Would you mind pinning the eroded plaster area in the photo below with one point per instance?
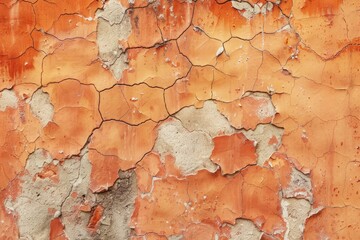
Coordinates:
(191, 149)
(113, 24)
(8, 99)
(179, 120)
(41, 107)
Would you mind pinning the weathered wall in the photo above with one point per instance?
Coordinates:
(180, 119)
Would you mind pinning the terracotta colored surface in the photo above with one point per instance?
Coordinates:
(95, 217)
(57, 230)
(179, 119)
(232, 153)
(116, 146)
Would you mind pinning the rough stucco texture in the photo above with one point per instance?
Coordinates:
(180, 119)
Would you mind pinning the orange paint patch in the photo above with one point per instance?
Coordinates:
(47, 13)
(208, 198)
(135, 104)
(206, 48)
(193, 89)
(71, 100)
(149, 167)
(19, 131)
(115, 146)
(164, 64)
(173, 17)
(49, 171)
(9, 228)
(95, 218)
(232, 153)
(57, 230)
(17, 22)
(143, 23)
(76, 59)
(72, 26)
(261, 201)
(337, 223)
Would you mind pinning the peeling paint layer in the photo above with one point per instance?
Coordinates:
(179, 120)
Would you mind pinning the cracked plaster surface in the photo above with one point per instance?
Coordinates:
(159, 119)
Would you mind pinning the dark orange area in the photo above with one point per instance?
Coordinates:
(23, 69)
(57, 230)
(47, 13)
(16, 24)
(314, 7)
(49, 171)
(95, 218)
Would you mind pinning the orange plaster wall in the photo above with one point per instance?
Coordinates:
(180, 119)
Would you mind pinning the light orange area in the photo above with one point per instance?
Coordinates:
(248, 111)
(164, 65)
(115, 146)
(338, 223)
(135, 104)
(71, 100)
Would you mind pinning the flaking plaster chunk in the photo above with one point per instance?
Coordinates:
(76, 222)
(248, 11)
(8, 98)
(108, 39)
(262, 136)
(244, 230)
(191, 149)
(176, 237)
(113, 12)
(265, 110)
(295, 213)
(113, 25)
(41, 107)
(41, 194)
(207, 119)
(299, 186)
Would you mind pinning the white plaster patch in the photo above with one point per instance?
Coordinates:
(295, 212)
(113, 25)
(38, 195)
(244, 230)
(207, 119)
(248, 11)
(41, 107)
(8, 98)
(299, 187)
(191, 149)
